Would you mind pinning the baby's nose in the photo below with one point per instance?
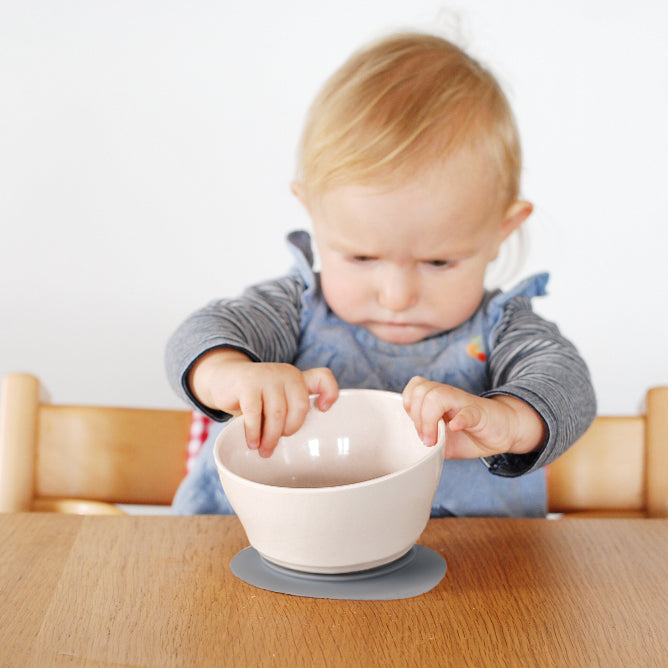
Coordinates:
(397, 291)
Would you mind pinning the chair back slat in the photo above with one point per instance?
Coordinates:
(118, 455)
(603, 471)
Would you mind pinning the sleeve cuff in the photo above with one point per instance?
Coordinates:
(510, 465)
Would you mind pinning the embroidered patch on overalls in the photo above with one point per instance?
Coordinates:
(475, 350)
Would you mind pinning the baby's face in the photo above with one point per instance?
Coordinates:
(408, 262)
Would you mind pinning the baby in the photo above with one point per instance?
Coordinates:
(410, 171)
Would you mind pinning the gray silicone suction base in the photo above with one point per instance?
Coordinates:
(418, 571)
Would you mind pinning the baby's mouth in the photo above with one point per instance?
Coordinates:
(398, 325)
(398, 332)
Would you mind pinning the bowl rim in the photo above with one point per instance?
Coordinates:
(430, 451)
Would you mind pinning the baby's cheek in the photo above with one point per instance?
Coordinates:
(345, 297)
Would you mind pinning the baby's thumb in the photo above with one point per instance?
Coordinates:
(321, 381)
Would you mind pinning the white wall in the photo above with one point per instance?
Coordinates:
(146, 150)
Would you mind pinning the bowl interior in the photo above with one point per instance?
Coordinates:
(366, 434)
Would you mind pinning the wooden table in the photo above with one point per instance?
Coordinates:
(157, 591)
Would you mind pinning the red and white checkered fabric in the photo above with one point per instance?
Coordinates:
(199, 432)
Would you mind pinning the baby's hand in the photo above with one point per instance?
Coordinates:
(475, 426)
(273, 398)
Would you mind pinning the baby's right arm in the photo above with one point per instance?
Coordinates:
(263, 323)
(272, 397)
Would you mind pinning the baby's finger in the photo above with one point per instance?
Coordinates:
(430, 403)
(321, 381)
(408, 395)
(297, 407)
(432, 409)
(274, 412)
(250, 404)
(416, 393)
(469, 418)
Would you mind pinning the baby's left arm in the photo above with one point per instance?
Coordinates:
(533, 371)
(476, 426)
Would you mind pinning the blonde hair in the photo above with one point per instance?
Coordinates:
(399, 106)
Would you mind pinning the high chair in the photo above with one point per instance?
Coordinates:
(618, 468)
(86, 459)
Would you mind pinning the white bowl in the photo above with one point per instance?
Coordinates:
(351, 490)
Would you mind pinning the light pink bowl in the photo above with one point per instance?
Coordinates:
(351, 490)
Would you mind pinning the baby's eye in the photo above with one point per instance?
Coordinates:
(439, 263)
(362, 258)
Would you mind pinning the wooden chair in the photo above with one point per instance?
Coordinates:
(619, 467)
(84, 459)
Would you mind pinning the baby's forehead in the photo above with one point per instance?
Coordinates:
(455, 195)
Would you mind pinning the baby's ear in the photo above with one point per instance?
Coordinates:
(299, 192)
(515, 215)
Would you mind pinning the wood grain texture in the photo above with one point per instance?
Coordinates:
(119, 455)
(157, 591)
